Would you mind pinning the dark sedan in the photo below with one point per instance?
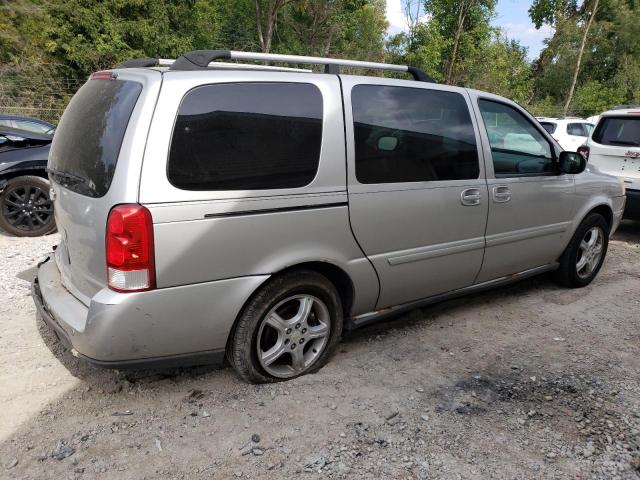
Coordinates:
(25, 207)
(33, 125)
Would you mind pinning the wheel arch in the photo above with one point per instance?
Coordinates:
(601, 205)
(11, 174)
(606, 211)
(335, 274)
(603, 209)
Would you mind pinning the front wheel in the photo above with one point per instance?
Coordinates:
(583, 257)
(287, 329)
(25, 207)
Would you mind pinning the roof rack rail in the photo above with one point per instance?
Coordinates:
(203, 59)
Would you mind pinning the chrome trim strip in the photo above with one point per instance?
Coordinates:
(439, 250)
(526, 234)
(296, 208)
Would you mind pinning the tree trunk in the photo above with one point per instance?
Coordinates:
(259, 24)
(265, 33)
(456, 42)
(580, 53)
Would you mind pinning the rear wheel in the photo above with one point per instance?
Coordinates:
(583, 258)
(288, 328)
(25, 207)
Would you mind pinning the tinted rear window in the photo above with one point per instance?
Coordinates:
(618, 131)
(412, 135)
(87, 142)
(247, 136)
(549, 126)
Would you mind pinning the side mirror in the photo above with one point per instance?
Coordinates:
(572, 163)
(387, 144)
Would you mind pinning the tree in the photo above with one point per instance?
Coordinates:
(505, 70)
(349, 28)
(466, 22)
(412, 12)
(266, 20)
(554, 11)
(88, 35)
(591, 15)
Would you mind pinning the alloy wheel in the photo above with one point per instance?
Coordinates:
(590, 252)
(293, 335)
(27, 207)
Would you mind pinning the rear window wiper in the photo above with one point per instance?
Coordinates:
(67, 176)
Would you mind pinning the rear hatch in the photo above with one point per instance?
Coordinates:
(615, 147)
(94, 164)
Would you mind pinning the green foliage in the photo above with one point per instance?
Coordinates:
(465, 24)
(504, 71)
(592, 98)
(610, 71)
(351, 28)
(48, 47)
(485, 58)
(545, 107)
(89, 35)
(551, 11)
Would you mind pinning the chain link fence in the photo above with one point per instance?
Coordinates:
(35, 92)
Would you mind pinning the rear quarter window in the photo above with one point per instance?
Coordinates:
(87, 141)
(618, 131)
(247, 136)
(549, 126)
(577, 129)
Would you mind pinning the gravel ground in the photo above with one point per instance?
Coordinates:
(529, 381)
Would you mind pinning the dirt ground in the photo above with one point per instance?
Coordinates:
(528, 381)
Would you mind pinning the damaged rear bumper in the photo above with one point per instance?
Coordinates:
(175, 326)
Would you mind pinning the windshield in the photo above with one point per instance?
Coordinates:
(87, 142)
(618, 131)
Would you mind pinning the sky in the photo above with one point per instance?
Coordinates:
(511, 16)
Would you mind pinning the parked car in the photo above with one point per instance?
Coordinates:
(28, 124)
(25, 207)
(256, 212)
(569, 132)
(614, 148)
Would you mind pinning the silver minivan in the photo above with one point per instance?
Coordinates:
(254, 212)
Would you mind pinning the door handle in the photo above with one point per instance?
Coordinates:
(501, 194)
(470, 197)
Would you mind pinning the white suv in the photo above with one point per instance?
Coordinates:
(614, 147)
(570, 133)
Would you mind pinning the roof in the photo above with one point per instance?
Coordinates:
(621, 112)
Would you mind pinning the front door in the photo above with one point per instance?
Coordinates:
(417, 189)
(531, 204)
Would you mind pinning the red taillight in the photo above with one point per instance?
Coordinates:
(584, 151)
(129, 249)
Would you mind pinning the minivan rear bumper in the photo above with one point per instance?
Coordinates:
(186, 325)
(632, 208)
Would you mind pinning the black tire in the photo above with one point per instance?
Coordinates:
(242, 347)
(28, 188)
(568, 274)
